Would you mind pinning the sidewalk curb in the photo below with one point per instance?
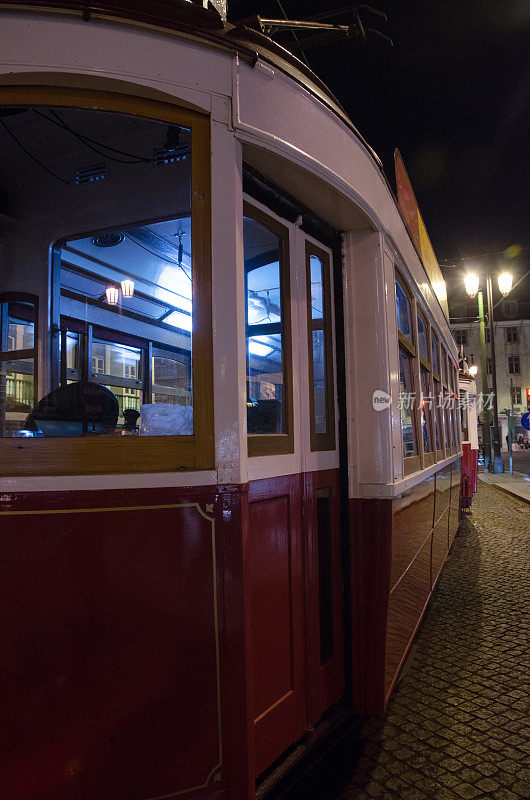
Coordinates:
(506, 491)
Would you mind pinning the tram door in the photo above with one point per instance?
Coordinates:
(295, 595)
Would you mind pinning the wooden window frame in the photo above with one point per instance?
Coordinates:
(112, 454)
(321, 441)
(268, 444)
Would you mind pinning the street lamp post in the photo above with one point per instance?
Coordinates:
(472, 282)
(486, 443)
(498, 466)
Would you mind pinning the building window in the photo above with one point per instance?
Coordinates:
(459, 311)
(135, 280)
(509, 308)
(321, 399)
(461, 337)
(514, 365)
(515, 395)
(512, 334)
(269, 395)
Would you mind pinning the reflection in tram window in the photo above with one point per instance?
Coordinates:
(265, 373)
(407, 399)
(403, 312)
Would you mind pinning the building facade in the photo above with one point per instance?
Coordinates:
(512, 354)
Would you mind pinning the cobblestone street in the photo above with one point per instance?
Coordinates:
(456, 726)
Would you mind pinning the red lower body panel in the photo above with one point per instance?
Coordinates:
(397, 551)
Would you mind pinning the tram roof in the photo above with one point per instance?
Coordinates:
(192, 20)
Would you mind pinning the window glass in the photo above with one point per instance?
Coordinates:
(434, 349)
(449, 412)
(317, 293)
(443, 365)
(265, 371)
(319, 381)
(21, 334)
(406, 402)
(17, 365)
(320, 353)
(437, 414)
(72, 350)
(425, 412)
(403, 312)
(16, 381)
(422, 338)
(319, 350)
(171, 378)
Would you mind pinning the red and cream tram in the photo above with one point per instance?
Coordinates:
(226, 495)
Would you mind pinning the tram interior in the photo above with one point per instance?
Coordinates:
(96, 251)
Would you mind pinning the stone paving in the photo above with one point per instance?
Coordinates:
(456, 727)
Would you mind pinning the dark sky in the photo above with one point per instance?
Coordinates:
(453, 95)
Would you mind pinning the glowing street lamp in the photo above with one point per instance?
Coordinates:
(473, 369)
(471, 282)
(505, 281)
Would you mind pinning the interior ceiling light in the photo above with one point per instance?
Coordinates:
(112, 294)
(108, 239)
(127, 288)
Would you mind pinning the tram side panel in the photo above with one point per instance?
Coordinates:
(118, 655)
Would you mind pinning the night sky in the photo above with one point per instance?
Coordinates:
(453, 95)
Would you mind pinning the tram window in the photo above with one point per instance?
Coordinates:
(135, 280)
(422, 338)
(434, 350)
(425, 412)
(407, 405)
(321, 404)
(129, 276)
(269, 404)
(443, 365)
(403, 312)
(437, 412)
